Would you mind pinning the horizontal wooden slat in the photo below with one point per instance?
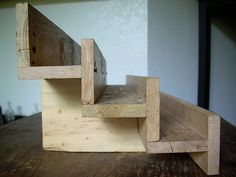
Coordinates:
(49, 72)
(115, 110)
(117, 101)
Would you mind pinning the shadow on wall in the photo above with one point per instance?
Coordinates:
(7, 3)
(10, 115)
(225, 21)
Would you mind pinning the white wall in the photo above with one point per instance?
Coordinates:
(173, 46)
(223, 74)
(119, 27)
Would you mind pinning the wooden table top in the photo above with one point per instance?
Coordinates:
(21, 154)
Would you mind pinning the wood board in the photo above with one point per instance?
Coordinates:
(201, 122)
(49, 72)
(42, 43)
(94, 71)
(148, 89)
(64, 129)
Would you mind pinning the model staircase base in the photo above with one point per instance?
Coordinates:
(81, 113)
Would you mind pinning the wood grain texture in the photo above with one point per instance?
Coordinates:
(148, 89)
(40, 42)
(93, 73)
(204, 123)
(153, 108)
(176, 138)
(116, 101)
(22, 155)
(49, 72)
(64, 129)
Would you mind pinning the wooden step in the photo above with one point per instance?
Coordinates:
(188, 128)
(44, 51)
(139, 98)
(117, 101)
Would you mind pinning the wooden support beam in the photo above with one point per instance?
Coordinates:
(40, 42)
(93, 73)
(202, 128)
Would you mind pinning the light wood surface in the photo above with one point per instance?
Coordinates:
(202, 122)
(64, 129)
(148, 89)
(49, 72)
(40, 42)
(93, 73)
(116, 101)
(176, 138)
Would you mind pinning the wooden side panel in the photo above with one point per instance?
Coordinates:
(153, 109)
(64, 129)
(93, 73)
(148, 89)
(210, 161)
(40, 42)
(116, 101)
(22, 35)
(50, 72)
(202, 122)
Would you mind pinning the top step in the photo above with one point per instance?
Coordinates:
(41, 44)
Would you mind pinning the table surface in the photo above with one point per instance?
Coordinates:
(21, 154)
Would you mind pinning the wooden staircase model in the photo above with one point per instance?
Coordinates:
(81, 113)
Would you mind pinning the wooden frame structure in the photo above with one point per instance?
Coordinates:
(81, 113)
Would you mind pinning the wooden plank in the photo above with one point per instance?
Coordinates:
(49, 72)
(40, 42)
(64, 129)
(116, 101)
(148, 89)
(153, 108)
(176, 138)
(93, 73)
(202, 122)
(115, 111)
(22, 35)
(209, 161)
